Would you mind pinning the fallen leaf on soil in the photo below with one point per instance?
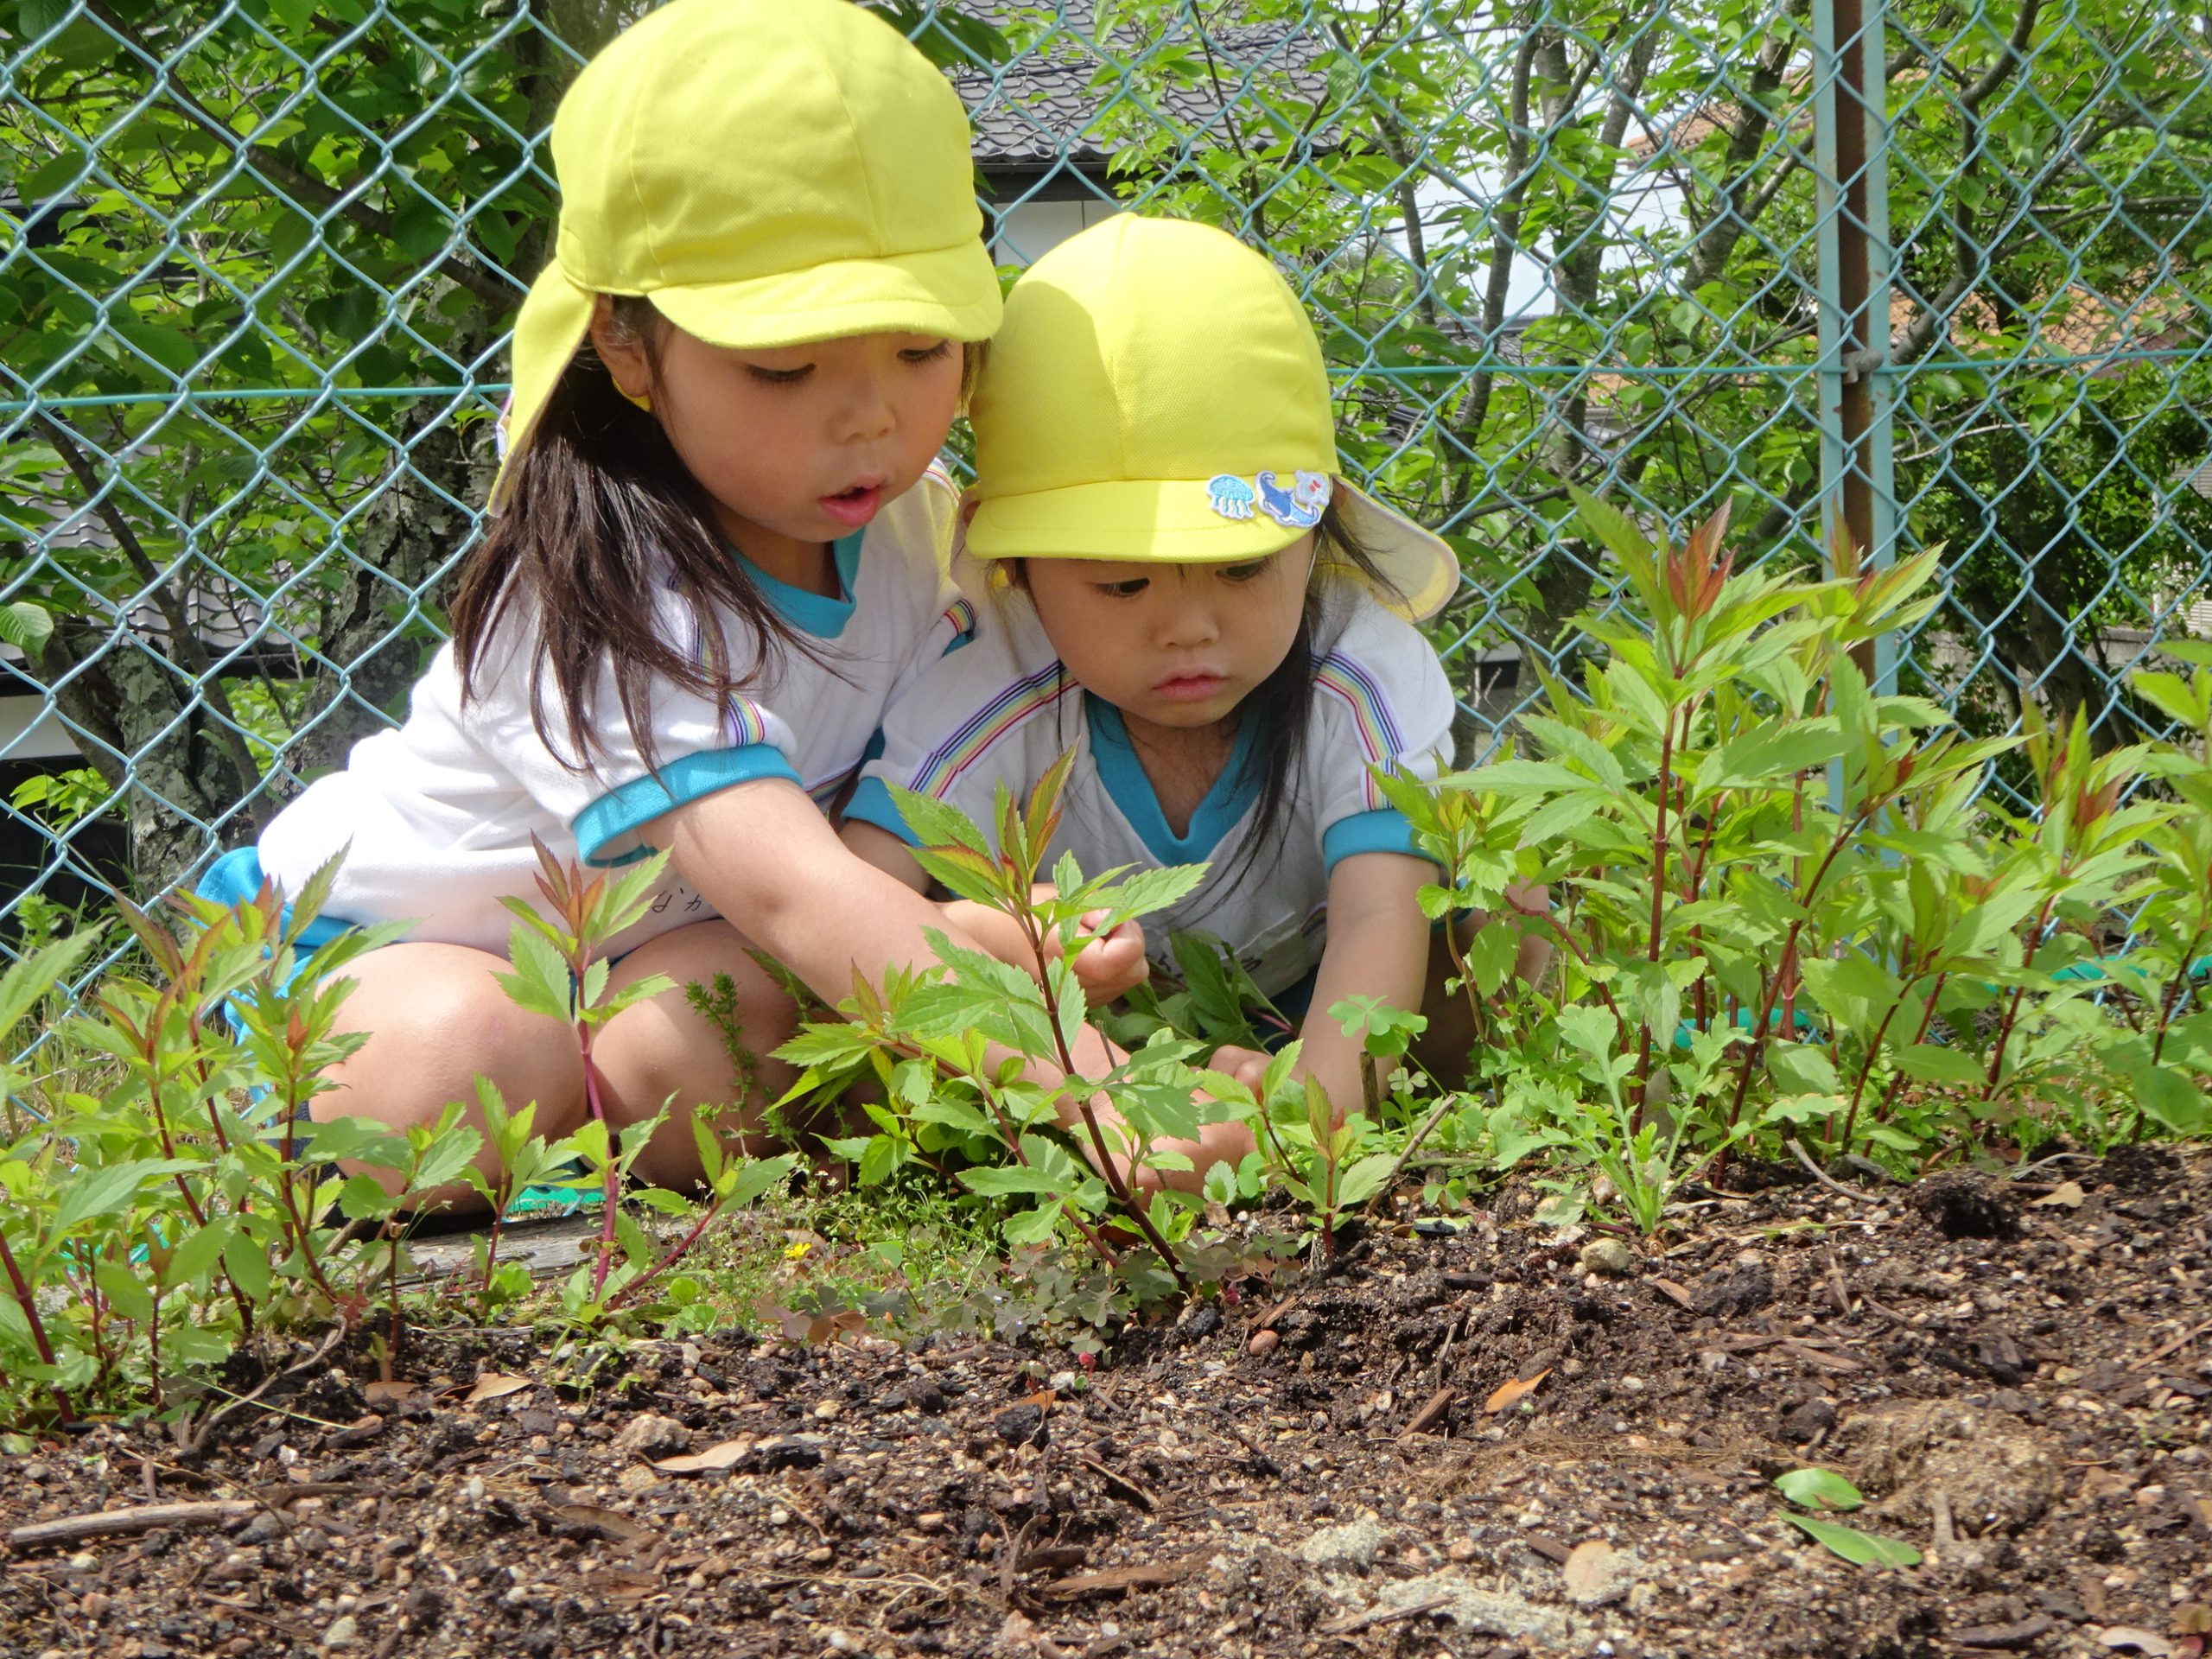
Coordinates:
(1585, 1567)
(2026, 1634)
(610, 1523)
(1509, 1394)
(1675, 1293)
(621, 1585)
(493, 1385)
(1431, 1414)
(1149, 1576)
(2127, 1639)
(2067, 1194)
(378, 1394)
(2192, 1619)
(721, 1455)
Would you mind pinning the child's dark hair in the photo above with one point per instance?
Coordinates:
(1282, 704)
(601, 516)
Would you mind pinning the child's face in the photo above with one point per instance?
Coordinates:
(1175, 644)
(797, 444)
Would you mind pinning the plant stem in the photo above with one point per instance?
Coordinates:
(29, 1304)
(1866, 1070)
(2013, 1009)
(2166, 1005)
(1026, 920)
(676, 1253)
(610, 1186)
(1788, 962)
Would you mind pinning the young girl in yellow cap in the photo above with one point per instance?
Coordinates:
(1192, 598)
(718, 554)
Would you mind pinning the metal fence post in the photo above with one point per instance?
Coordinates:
(1858, 482)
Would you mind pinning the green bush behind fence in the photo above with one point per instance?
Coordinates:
(257, 263)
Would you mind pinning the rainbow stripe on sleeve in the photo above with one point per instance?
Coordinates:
(942, 768)
(743, 723)
(1351, 684)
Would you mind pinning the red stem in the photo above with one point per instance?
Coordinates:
(1114, 1180)
(609, 1182)
(2013, 1010)
(1927, 1018)
(1782, 969)
(25, 1301)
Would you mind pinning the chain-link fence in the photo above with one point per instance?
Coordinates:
(1932, 269)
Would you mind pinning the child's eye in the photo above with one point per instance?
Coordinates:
(1128, 589)
(1245, 572)
(927, 353)
(778, 376)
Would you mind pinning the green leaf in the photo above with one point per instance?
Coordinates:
(1859, 1549)
(1929, 1062)
(248, 1265)
(1818, 1489)
(26, 627)
(363, 1199)
(28, 981)
(1011, 1179)
(197, 1251)
(1364, 1178)
(938, 823)
(1149, 890)
(540, 983)
(108, 1189)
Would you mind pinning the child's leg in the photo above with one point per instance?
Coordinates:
(435, 1017)
(665, 1051)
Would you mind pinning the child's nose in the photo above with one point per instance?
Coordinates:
(867, 411)
(1190, 620)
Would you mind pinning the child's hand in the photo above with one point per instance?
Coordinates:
(1248, 1065)
(1108, 965)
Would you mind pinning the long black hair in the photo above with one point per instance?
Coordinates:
(601, 516)
(1281, 706)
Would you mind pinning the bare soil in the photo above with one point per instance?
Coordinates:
(2017, 1374)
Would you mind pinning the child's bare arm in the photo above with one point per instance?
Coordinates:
(1379, 947)
(1106, 967)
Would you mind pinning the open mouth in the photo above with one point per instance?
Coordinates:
(854, 506)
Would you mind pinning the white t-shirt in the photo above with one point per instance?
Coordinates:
(440, 812)
(1003, 709)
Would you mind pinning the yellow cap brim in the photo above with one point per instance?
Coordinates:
(1173, 522)
(952, 293)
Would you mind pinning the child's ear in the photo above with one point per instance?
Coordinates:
(970, 504)
(621, 348)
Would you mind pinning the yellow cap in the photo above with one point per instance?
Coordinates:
(1156, 393)
(767, 172)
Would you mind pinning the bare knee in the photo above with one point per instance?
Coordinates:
(703, 1045)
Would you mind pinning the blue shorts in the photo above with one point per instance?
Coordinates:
(236, 877)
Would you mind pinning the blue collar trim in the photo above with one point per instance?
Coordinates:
(1130, 788)
(812, 613)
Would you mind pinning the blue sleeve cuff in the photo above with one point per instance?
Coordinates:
(618, 815)
(1384, 831)
(871, 803)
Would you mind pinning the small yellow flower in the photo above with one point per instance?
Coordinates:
(796, 1249)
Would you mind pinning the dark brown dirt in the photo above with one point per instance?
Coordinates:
(2018, 1375)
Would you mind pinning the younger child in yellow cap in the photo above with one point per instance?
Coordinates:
(1194, 601)
(719, 553)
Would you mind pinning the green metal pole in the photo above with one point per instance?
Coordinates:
(1858, 489)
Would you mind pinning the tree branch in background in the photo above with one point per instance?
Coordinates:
(274, 170)
(184, 641)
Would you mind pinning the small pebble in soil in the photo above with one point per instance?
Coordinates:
(1609, 1256)
(1020, 1424)
(1264, 1341)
